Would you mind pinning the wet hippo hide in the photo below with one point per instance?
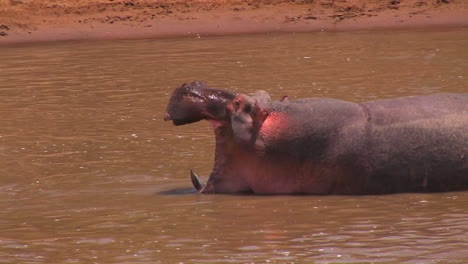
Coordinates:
(329, 146)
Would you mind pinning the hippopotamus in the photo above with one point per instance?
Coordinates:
(328, 146)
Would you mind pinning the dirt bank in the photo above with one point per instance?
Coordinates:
(49, 20)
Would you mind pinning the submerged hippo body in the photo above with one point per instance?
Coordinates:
(328, 146)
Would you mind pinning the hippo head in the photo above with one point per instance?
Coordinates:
(235, 118)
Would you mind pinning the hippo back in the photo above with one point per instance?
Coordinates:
(417, 143)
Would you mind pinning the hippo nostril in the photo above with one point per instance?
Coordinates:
(167, 117)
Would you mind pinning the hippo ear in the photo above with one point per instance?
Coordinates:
(262, 97)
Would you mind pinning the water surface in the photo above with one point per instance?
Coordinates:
(86, 162)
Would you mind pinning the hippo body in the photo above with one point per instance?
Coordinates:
(329, 146)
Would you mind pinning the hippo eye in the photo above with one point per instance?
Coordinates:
(248, 109)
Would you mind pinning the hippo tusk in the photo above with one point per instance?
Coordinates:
(196, 181)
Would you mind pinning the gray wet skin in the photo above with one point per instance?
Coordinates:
(329, 146)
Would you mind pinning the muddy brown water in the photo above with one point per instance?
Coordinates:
(89, 172)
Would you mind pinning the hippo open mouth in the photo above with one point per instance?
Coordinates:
(328, 146)
(234, 119)
(194, 102)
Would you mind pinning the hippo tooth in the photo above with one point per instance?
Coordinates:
(196, 181)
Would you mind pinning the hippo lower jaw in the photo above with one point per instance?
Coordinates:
(225, 176)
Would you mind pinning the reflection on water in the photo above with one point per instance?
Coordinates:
(88, 168)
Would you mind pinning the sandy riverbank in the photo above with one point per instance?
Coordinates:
(49, 20)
